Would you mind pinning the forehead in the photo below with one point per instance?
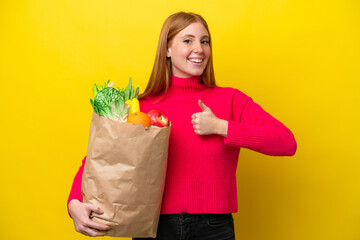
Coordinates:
(196, 29)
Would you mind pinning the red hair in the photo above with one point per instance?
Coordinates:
(161, 73)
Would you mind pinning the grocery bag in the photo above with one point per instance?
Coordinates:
(124, 174)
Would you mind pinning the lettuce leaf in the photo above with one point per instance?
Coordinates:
(110, 102)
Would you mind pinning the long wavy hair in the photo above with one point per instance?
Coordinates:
(161, 73)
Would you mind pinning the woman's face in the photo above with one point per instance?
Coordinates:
(189, 51)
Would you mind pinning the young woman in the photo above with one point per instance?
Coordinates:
(209, 126)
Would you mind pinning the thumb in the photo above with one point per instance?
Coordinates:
(95, 209)
(203, 106)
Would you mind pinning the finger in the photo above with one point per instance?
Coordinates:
(93, 233)
(95, 209)
(202, 106)
(83, 230)
(195, 115)
(97, 226)
(195, 121)
(86, 234)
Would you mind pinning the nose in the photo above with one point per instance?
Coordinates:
(198, 48)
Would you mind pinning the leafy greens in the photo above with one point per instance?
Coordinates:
(110, 102)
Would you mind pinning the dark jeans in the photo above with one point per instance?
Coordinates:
(186, 226)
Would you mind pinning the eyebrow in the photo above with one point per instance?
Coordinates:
(189, 35)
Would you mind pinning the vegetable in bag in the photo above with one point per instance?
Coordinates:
(111, 102)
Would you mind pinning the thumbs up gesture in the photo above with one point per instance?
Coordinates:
(205, 122)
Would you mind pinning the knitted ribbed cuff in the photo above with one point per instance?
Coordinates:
(244, 135)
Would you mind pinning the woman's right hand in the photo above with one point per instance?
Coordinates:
(80, 213)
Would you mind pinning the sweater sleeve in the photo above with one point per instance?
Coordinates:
(253, 128)
(75, 192)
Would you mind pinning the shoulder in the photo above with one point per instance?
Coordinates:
(148, 102)
(234, 93)
(150, 98)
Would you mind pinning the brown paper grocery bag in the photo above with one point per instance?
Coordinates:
(124, 174)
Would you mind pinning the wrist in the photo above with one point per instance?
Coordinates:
(73, 201)
(72, 204)
(222, 127)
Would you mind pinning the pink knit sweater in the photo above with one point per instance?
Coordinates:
(201, 168)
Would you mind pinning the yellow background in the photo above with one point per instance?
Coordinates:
(298, 59)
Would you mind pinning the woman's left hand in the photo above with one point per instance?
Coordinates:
(205, 122)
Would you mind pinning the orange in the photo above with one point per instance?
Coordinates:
(139, 118)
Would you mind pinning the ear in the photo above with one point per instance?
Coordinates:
(168, 53)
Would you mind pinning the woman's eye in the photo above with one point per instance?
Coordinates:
(204, 42)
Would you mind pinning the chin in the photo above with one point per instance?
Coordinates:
(187, 74)
(198, 74)
(195, 73)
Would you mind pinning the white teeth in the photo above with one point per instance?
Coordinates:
(195, 60)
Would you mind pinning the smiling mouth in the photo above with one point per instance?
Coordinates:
(196, 60)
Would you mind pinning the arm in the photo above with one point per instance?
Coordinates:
(255, 129)
(80, 212)
(249, 127)
(75, 192)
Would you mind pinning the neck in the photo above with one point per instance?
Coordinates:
(185, 85)
(176, 79)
